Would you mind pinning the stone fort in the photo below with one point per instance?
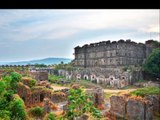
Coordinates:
(110, 54)
(104, 62)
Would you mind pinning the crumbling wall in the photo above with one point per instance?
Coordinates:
(114, 77)
(39, 75)
(34, 96)
(57, 97)
(134, 108)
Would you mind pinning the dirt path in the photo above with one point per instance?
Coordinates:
(117, 90)
(55, 87)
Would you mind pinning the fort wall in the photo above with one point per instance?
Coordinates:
(110, 54)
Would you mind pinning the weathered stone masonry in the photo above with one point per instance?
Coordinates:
(103, 62)
(110, 54)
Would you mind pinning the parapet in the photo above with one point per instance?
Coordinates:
(103, 43)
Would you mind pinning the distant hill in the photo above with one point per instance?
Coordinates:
(46, 61)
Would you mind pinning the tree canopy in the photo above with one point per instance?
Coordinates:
(152, 63)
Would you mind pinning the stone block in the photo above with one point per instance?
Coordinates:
(135, 109)
(155, 100)
(118, 104)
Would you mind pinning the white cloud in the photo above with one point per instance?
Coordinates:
(60, 24)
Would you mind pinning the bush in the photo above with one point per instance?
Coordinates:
(32, 83)
(80, 103)
(17, 108)
(50, 116)
(146, 91)
(5, 115)
(15, 78)
(54, 78)
(152, 63)
(37, 111)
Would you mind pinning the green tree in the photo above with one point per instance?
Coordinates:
(11, 108)
(80, 103)
(15, 78)
(17, 108)
(152, 63)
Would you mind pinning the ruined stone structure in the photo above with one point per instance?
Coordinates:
(39, 75)
(39, 93)
(110, 54)
(98, 96)
(104, 62)
(47, 69)
(131, 108)
(108, 77)
(32, 96)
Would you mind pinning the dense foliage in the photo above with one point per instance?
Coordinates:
(37, 112)
(80, 103)
(15, 78)
(17, 109)
(32, 82)
(152, 64)
(54, 78)
(146, 91)
(50, 116)
(11, 106)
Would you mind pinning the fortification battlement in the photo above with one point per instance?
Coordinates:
(115, 53)
(105, 43)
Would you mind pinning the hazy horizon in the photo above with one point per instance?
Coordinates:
(38, 34)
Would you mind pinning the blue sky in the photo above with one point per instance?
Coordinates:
(36, 34)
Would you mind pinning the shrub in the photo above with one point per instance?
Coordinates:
(54, 78)
(152, 63)
(146, 91)
(80, 103)
(37, 111)
(5, 115)
(50, 116)
(17, 109)
(15, 78)
(32, 83)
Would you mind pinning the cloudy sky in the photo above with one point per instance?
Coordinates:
(35, 34)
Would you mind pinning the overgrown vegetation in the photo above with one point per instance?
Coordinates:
(80, 103)
(11, 106)
(146, 91)
(17, 109)
(37, 112)
(152, 63)
(32, 82)
(54, 78)
(15, 78)
(50, 116)
(86, 83)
